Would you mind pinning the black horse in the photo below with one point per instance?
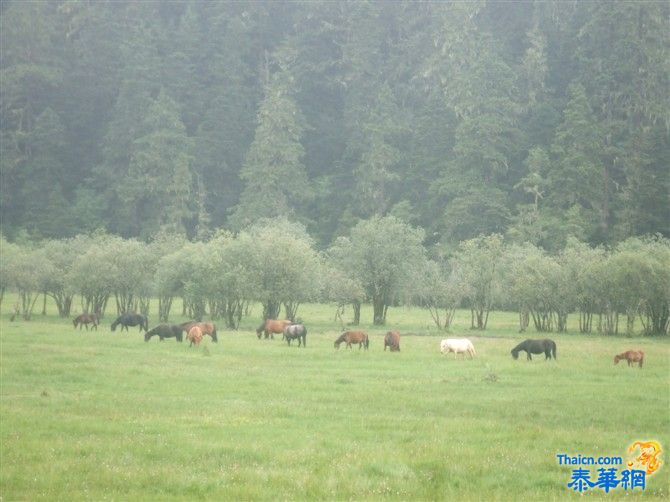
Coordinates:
(536, 347)
(165, 331)
(131, 319)
(293, 331)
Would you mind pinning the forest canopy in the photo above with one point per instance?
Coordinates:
(539, 121)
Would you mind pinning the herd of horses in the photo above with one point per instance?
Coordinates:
(196, 330)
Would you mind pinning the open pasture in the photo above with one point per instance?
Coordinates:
(104, 415)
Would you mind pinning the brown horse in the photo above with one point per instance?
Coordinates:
(85, 320)
(349, 337)
(632, 356)
(194, 336)
(272, 326)
(208, 328)
(392, 340)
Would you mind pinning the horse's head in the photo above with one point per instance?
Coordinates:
(617, 358)
(147, 336)
(260, 330)
(515, 354)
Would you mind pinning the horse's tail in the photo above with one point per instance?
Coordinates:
(367, 342)
(553, 349)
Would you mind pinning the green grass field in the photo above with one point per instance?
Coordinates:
(105, 416)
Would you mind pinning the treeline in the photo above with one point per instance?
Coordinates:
(537, 120)
(382, 262)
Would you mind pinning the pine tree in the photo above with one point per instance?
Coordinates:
(275, 180)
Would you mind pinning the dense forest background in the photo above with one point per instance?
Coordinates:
(540, 121)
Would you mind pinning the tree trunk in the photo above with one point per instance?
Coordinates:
(271, 309)
(524, 319)
(378, 311)
(357, 313)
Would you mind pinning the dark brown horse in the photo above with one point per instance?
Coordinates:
(632, 356)
(208, 328)
(85, 320)
(349, 337)
(272, 326)
(165, 331)
(536, 347)
(131, 319)
(392, 340)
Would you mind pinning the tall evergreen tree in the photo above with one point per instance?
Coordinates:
(158, 188)
(275, 180)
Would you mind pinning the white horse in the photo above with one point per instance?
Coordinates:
(457, 345)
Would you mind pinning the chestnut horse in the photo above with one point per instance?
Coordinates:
(85, 320)
(272, 326)
(632, 356)
(349, 337)
(392, 340)
(194, 336)
(208, 328)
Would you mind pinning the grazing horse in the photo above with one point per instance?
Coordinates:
(131, 319)
(349, 337)
(165, 331)
(194, 336)
(272, 326)
(457, 345)
(208, 328)
(536, 347)
(392, 340)
(85, 320)
(632, 356)
(293, 331)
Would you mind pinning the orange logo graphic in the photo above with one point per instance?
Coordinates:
(647, 459)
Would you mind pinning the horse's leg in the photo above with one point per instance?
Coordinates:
(529, 357)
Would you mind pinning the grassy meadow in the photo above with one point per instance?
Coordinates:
(105, 416)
